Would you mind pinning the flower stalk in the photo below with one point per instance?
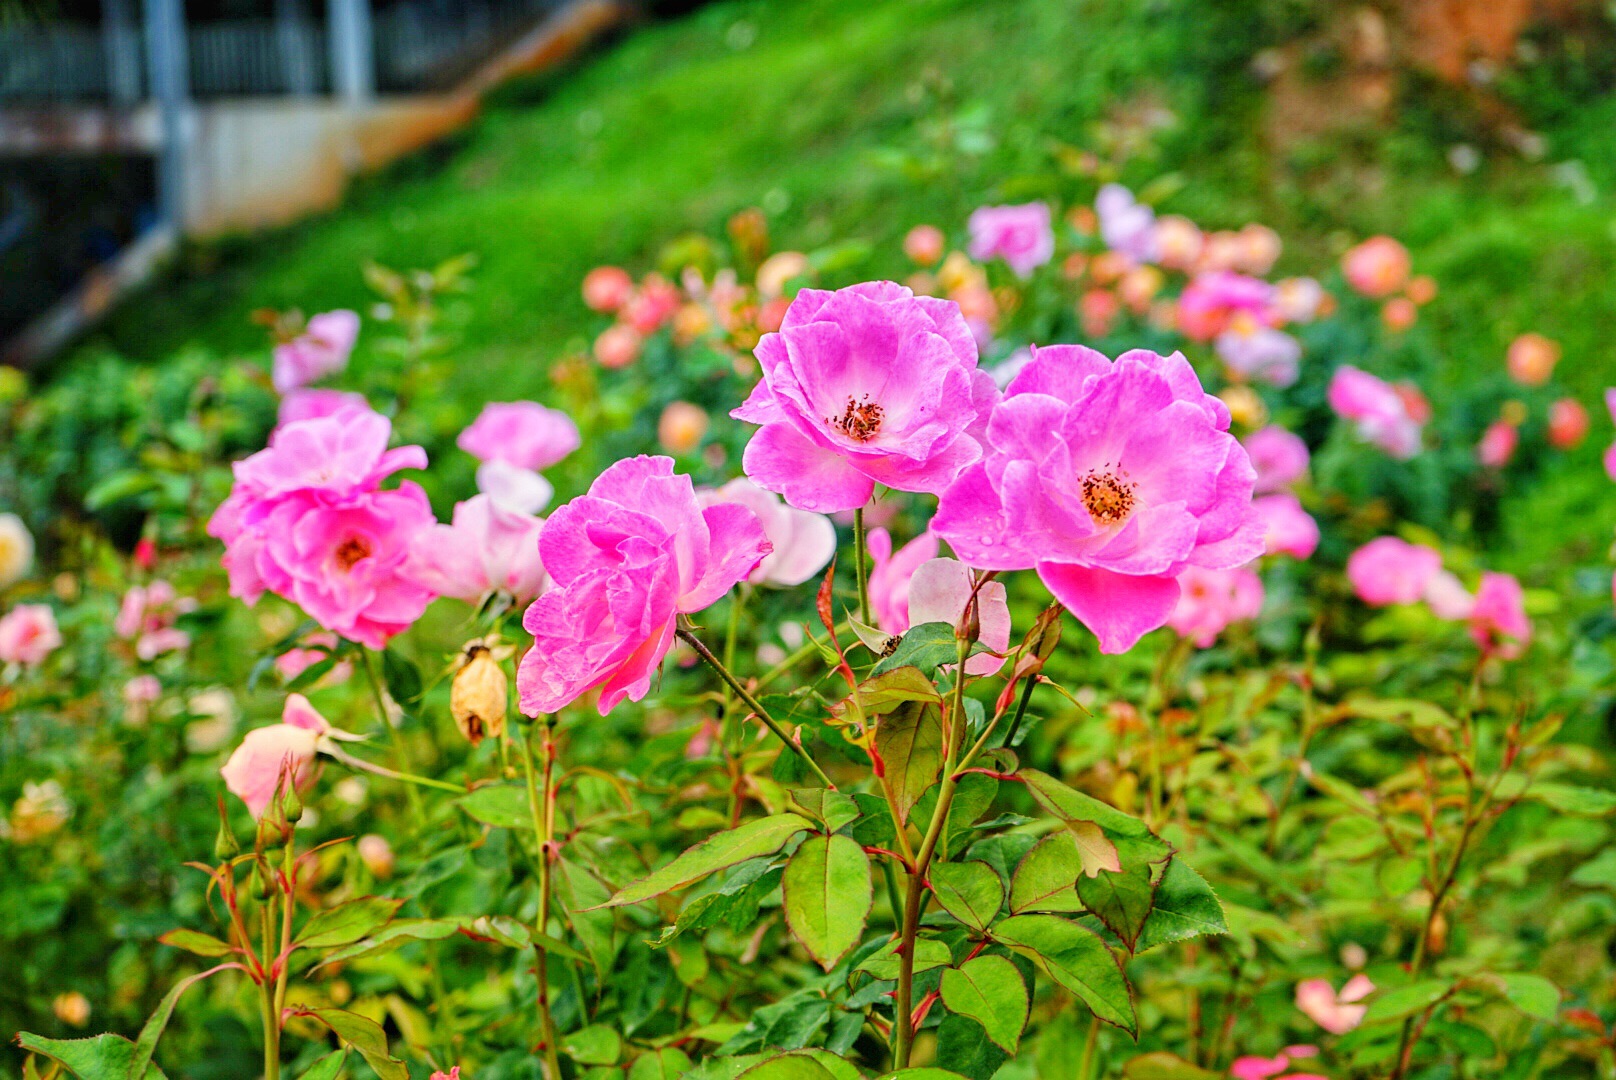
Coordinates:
(541, 804)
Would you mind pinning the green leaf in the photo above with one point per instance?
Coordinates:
(1185, 907)
(597, 1044)
(146, 1045)
(504, 806)
(194, 941)
(1533, 995)
(989, 990)
(730, 1068)
(925, 1072)
(328, 1067)
(104, 1057)
(1075, 958)
(788, 1067)
(828, 894)
(394, 935)
(1106, 837)
(833, 808)
(1406, 1000)
(1597, 872)
(402, 677)
(926, 647)
(1571, 799)
(969, 891)
(1164, 1066)
(880, 694)
(964, 1044)
(365, 1036)
(346, 923)
(1122, 901)
(668, 1063)
(909, 741)
(761, 837)
(1046, 877)
(929, 953)
(116, 488)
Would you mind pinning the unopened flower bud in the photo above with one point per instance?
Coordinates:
(292, 805)
(478, 697)
(225, 845)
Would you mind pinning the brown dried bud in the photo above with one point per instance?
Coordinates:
(478, 697)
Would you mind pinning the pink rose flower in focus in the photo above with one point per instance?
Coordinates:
(869, 384)
(311, 404)
(487, 548)
(1498, 621)
(1020, 235)
(1279, 456)
(803, 542)
(322, 349)
(520, 433)
(1388, 570)
(627, 559)
(267, 754)
(1111, 479)
(1381, 413)
(890, 574)
(1335, 1013)
(28, 634)
(1210, 601)
(1377, 267)
(1288, 529)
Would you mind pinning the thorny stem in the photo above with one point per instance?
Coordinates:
(751, 702)
(903, 1027)
(541, 804)
(861, 566)
(272, 1020)
(401, 753)
(729, 736)
(803, 652)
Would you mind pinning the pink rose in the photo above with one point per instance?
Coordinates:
(142, 690)
(1531, 359)
(607, 288)
(924, 244)
(305, 404)
(1126, 225)
(1020, 235)
(1377, 267)
(486, 548)
(522, 491)
(1260, 353)
(269, 754)
(1335, 1013)
(1110, 478)
(452, 1074)
(627, 559)
(1287, 528)
(803, 542)
(1498, 621)
(28, 634)
(1212, 299)
(294, 662)
(520, 433)
(1447, 597)
(1279, 457)
(1298, 300)
(890, 574)
(1568, 423)
(1388, 570)
(322, 349)
(1258, 1068)
(146, 616)
(1497, 444)
(1210, 601)
(869, 384)
(1383, 414)
(940, 591)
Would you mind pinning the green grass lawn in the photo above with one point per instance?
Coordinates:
(859, 118)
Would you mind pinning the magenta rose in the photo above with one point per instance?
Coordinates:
(1389, 570)
(1288, 529)
(627, 559)
(1379, 413)
(1498, 620)
(866, 385)
(322, 349)
(1211, 600)
(1279, 457)
(524, 434)
(1110, 478)
(1020, 235)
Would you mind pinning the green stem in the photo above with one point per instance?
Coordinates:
(539, 803)
(803, 652)
(392, 774)
(903, 1028)
(272, 1020)
(1021, 710)
(1090, 1044)
(751, 702)
(400, 751)
(861, 569)
(283, 958)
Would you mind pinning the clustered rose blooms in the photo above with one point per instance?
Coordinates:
(322, 349)
(1020, 235)
(307, 521)
(146, 617)
(28, 634)
(1111, 479)
(1381, 413)
(1212, 300)
(283, 752)
(869, 384)
(803, 542)
(1259, 353)
(1388, 570)
(627, 559)
(1211, 600)
(487, 548)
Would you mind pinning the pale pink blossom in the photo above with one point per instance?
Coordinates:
(1287, 528)
(1021, 235)
(142, 690)
(1279, 456)
(1126, 225)
(1531, 359)
(1210, 601)
(322, 349)
(1298, 300)
(146, 616)
(524, 434)
(924, 244)
(618, 346)
(1377, 267)
(1178, 242)
(1381, 413)
(487, 548)
(627, 559)
(1498, 621)
(1336, 1013)
(269, 756)
(890, 574)
(940, 591)
(803, 541)
(310, 404)
(519, 490)
(869, 384)
(28, 634)
(1260, 353)
(294, 662)
(650, 306)
(452, 1074)
(1110, 478)
(1447, 597)
(1388, 570)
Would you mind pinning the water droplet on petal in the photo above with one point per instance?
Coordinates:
(985, 540)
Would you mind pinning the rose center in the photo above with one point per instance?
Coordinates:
(860, 421)
(1108, 496)
(351, 550)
